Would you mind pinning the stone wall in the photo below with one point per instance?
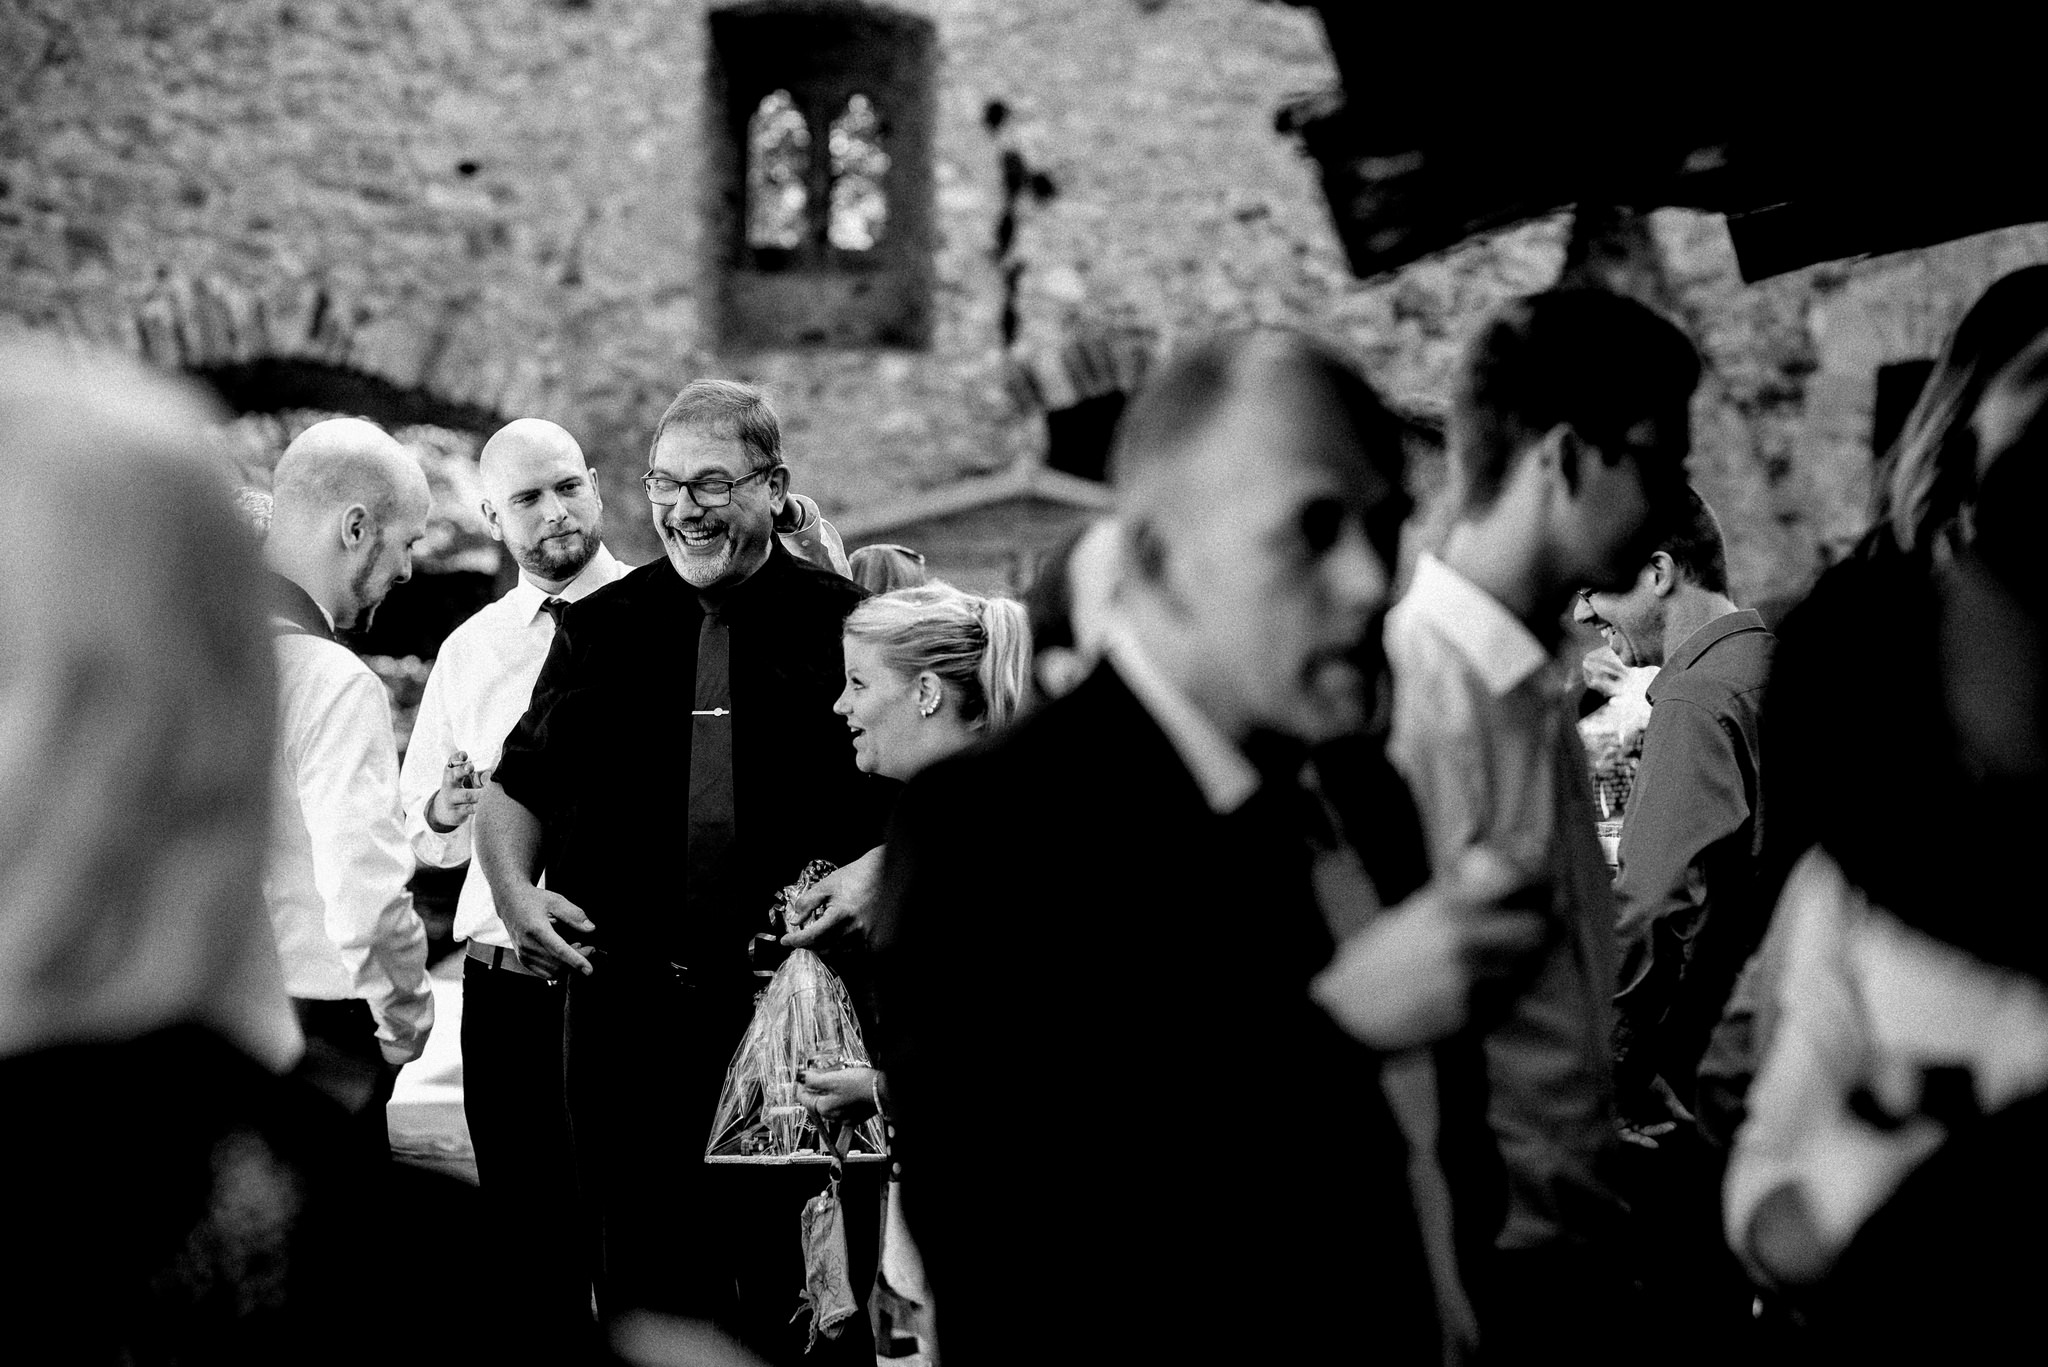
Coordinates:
(498, 207)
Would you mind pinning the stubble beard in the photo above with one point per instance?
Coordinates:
(558, 566)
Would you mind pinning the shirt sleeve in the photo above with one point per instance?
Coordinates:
(348, 788)
(1436, 746)
(1689, 800)
(1801, 1131)
(419, 778)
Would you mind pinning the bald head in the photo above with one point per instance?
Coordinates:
(344, 461)
(348, 503)
(541, 500)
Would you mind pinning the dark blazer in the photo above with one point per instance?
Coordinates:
(1126, 1133)
(602, 755)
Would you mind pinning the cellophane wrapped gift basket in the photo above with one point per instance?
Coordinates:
(803, 1019)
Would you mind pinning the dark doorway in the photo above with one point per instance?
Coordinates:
(1077, 438)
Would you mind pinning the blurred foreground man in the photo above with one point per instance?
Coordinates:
(541, 500)
(348, 503)
(1098, 932)
(679, 764)
(1568, 442)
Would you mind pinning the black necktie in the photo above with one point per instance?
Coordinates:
(711, 805)
(555, 607)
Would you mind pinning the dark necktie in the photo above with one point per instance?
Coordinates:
(711, 804)
(555, 607)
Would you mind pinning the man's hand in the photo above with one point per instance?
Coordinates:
(846, 1096)
(838, 905)
(530, 916)
(1407, 978)
(455, 802)
(1604, 671)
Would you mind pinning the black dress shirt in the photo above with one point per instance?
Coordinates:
(602, 756)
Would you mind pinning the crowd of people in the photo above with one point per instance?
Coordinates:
(1244, 978)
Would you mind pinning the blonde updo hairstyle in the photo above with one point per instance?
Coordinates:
(980, 647)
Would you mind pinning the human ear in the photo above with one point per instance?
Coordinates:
(1662, 574)
(1563, 446)
(491, 519)
(355, 526)
(777, 481)
(929, 693)
(596, 489)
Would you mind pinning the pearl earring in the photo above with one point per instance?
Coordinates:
(926, 709)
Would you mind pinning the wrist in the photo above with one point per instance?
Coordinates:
(435, 822)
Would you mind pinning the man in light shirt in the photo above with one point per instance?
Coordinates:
(542, 501)
(349, 503)
(1568, 441)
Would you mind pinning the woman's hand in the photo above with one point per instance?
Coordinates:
(838, 906)
(844, 1096)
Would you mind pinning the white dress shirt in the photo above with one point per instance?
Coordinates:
(1484, 736)
(335, 880)
(479, 689)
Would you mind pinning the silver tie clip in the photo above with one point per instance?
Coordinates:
(714, 712)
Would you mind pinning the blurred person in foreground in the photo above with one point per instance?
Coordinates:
(1888, 1177)
(1925, 498)
(1569, 434)
(929, 671)
(175, 1197)
(348, 502)
(541, 500)
(1689, 911)
(1117, 907)
(678, 765)
(886, 568)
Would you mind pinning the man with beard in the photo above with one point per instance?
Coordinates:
(678, 765)
(542, 501)
(1097, 933)
(1569, 434)
(348, 504)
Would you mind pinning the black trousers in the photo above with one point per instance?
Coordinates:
(344, 1061)
(519, 1126)
(645, 1057)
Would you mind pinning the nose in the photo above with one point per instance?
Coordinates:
(1357, 576)
(843, 704)
(552, 509)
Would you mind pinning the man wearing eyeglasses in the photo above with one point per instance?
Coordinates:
(679, 764)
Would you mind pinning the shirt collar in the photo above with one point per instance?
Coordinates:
(1493, 640)
(1226, 778)
(1704, 637)
(526, 596)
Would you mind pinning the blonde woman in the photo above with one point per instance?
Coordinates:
(929, 671)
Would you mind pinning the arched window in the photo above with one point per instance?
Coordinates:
(826, 131)
(778, 173)
(860, 204)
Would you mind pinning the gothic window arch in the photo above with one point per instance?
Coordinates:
(824, 224)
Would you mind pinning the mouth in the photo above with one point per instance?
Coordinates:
(856, 731)
(697, 537)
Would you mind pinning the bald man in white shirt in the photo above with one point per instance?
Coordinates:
(348, 505)
(542, 501)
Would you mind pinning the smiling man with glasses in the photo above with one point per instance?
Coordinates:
(651, 783)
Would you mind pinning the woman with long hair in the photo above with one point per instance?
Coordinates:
(929, 671)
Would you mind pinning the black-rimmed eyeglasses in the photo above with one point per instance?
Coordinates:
(705, 493)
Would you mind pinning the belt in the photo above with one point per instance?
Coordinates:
(497, 956)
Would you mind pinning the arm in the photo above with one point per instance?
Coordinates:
(508, 842)
(1805, 1171)
(348, 786)
(437, 841)
(1690, 801)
